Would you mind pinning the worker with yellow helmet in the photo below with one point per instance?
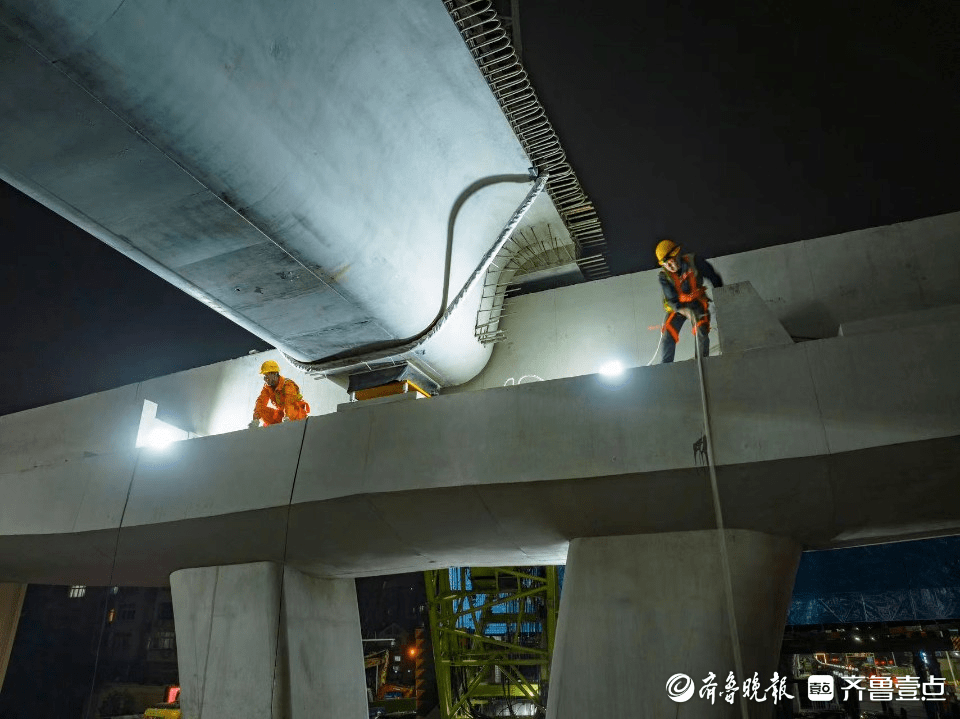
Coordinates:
(282, 393)
(684, 297)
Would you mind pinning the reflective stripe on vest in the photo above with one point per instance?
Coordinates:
(279, 394)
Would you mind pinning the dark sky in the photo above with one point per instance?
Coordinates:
(732, 126)
(728, 126)
(79, 317)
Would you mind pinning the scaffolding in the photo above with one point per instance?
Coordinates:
(895, 605)
(490, 44)
(493, 632)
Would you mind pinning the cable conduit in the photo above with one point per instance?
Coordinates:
(490, 45)
(374, 354)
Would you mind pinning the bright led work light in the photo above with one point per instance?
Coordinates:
(613, 368)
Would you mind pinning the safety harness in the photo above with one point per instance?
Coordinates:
(689, 290)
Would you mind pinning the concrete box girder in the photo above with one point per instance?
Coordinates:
(280, 166)
(811, 441)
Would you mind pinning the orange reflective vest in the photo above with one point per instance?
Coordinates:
(286, 400)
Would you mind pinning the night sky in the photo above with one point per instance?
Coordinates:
(728, 126)
(732, 126)
(80, 317)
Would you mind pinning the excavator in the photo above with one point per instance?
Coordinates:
(382, 689)
(386, 699)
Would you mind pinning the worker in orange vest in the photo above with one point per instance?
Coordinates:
(684, 297)
(282, 393)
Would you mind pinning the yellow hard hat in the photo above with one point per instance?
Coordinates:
(269, 366)
(665, 249)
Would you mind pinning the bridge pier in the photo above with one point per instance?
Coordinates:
(11, 602)
(247, 648)
(636, 610)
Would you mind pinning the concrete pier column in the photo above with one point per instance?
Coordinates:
(636, 610)
(240, 655)
(11, 602)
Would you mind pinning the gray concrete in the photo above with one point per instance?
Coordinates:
(747, 321)
(541, 241)
(11, 602)
(840, 424)
(901, 320)
(811, 287)
(322, 648)
(210, 400)
(637, 610)
(247, 649)
(308, 173)
(260, 474)
(812, 440)
(295, 170)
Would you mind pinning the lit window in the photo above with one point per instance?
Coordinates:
(111, 616)
(77, 591)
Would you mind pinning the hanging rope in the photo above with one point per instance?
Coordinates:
(721, 531)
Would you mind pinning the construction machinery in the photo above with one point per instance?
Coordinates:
(167, 710)
(386, 698)
(493, 633)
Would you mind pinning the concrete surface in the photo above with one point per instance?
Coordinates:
(322, 646)
(812, 440)
(209, 400)
(636, 610)
(295, 170)
(11, 601)
(540, 241)
(748, 322)
(902, 320)
(308, 173)
(811, 287)
(208, 474)
(247, 649)
(227, 624)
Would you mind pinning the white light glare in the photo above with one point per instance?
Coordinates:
(613, 368)
(161, 437)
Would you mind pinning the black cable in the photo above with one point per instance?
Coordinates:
(283, 568)
(382, 350)
(113, 568)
